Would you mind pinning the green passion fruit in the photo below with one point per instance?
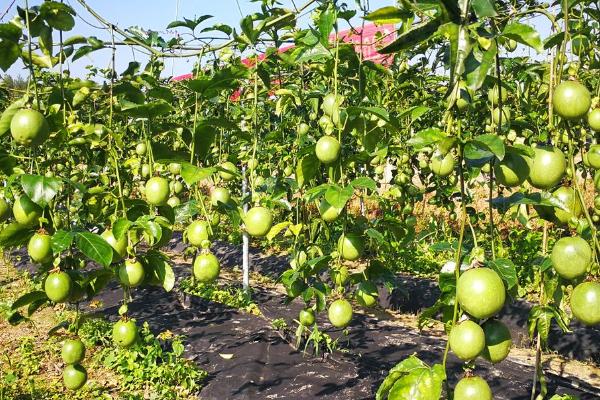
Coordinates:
(197, 233)
(206, 268)
(571, 257)
(306, 317)
(26, 212)
(258, 221)
(173, 201)
(494, 95)
(74, 376)
(328, 149)
(506, 115)
(303, 129)
(4, 209)
(480, 292)
(351, 246)
(328, 212)
(219, 195)
(512, 170)
(140, 149)
(125, 333)
(569, 198)
(175, 168)
(331, 105)
(73, 351)
(585, 303)
(157, 191)
(594, 119)
(58, 286)
(229, 171)
(547, 168)
(571, 100)
(441, 165)
(593, 156)
(498, 341)
(467, 340)
(131, 273)
(39, 247)
(29, 127)
(472, 388)
(340, 313)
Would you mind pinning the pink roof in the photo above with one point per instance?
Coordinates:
(373, 37)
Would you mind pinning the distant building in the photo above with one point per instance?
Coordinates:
(372, 37)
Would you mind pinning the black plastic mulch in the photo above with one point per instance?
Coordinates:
(265, 366)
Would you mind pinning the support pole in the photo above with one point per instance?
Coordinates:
(245, 238)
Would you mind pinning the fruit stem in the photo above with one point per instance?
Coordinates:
(458, 257)
(30, 63)
(596, 247)
(491, 211)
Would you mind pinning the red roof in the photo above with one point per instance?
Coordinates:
(372, 36)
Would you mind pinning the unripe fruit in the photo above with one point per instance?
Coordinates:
(467, 340)
(340, 313)
(73, 351)
(206, 268)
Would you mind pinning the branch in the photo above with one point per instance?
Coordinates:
(201, 50)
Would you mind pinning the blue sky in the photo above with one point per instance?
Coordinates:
(155, 15)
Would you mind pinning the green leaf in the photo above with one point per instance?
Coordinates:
(364, 182)
(493, 143)
(97, 280)
(389, 15)
(425, 138)
(151, 229)
(61, 241)
(43, 61)
(58, 15)
(327, 18)
(191, 24)
(338, 196)
(307, 169)
(375, 234)
(10, 32)
(523, 34)
(484, 8)
(554, 40)
(9, 113)
(45, 40)
(192, 174)
(9, 54)
(535, 199)
(226, 78)
(540, 320)
(146, 110)
(75, 39)
(276, 229)
(160, 269)
(28, 298)
(120, 227)
(507, 271)
(14, 234)
(476, 77)
(94, 247)
(40, 189)
(412, 379)
(418, 34)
